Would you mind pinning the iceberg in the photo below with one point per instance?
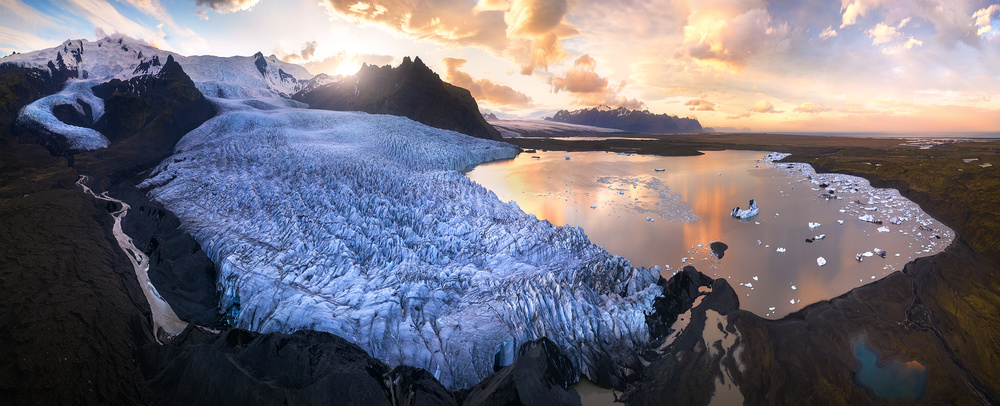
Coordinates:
(820, 261)
(746, 214)
(363, 225)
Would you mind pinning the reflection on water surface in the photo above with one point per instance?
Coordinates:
(669, 217)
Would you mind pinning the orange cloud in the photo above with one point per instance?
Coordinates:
(589, 88)
(700, 105)
(728, 40)
(484, 89)
(764, 106)
(810, 108)
(529, 32)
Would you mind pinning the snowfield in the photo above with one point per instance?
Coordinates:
(363, 226)
(120, 57)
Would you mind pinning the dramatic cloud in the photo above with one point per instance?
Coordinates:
(700, 105)
(223, 6)
(764, 106)
(728, 40)
(581, 78)
(484, 90)
(809, 108)
(589, 88)
(529, 32)
(983, 18)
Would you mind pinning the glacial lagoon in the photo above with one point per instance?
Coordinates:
(666, 211)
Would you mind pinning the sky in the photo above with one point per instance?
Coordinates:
(795, 65)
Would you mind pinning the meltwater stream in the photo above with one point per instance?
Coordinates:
(163, 315)
(656, 210)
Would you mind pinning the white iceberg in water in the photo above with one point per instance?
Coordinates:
(820, 261)
(745, 214)
(813, 225)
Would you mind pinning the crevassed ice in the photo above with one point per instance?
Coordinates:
(362, 225)
(38, 115)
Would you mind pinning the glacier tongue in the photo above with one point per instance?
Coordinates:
(362, 225)
(38, 115)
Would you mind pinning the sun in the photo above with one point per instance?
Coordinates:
(347, 68)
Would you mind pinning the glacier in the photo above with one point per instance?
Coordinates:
(38, 115)
(364, 226)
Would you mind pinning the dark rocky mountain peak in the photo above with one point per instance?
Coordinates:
(261, 63)
(411, 90)
(636, 121)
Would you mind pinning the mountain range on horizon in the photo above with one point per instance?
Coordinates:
(629, 120)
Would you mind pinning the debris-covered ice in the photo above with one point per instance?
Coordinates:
(362, 225)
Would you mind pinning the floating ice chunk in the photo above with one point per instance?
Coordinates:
(880, 252)
(746, 214)
(897, 220)
(813, 225)
(659, 169)
(840, 221)
(794, 287)
(749, 285)
(755, 278)
(986, 165)
(871, 208)
(771, 308)
(621, 192)
(819, 237)
(567, 158)
(650, 219)
(967, 160)
(869, 218)
(780, 249)
(820, 261)
(868, 254)
(593, 207)
(792, 301)
(758, 242)
(883, 229)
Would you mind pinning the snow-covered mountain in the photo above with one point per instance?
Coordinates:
(363, 226)
(121, 57)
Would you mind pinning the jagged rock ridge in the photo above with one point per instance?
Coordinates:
(411, 89)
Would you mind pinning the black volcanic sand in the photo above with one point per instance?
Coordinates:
(941, 311)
